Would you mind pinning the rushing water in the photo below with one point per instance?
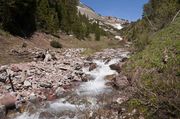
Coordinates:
(85, 96)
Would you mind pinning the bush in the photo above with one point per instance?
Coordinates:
(55, 44)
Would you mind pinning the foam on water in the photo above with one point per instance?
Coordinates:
(26, 115)
(97, 86)
(60, 106)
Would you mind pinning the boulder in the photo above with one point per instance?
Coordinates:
(121, 82)
(2, 112)
(40, 56)
(8, 100)
(59, 91)
(110, 77)
(124, 59)
(87, 77)
(27, 83)
(48, 57)
(78, 67)
(116, 67)
(32, 98)
(45, 85)
(92, 66)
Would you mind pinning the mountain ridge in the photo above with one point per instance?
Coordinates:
(91, 14)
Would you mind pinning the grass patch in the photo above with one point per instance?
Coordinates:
(158, 83)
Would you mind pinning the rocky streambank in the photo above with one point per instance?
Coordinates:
(54, 73)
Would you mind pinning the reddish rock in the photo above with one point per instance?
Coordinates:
(15, 69)
(8, 100)
(51, 97)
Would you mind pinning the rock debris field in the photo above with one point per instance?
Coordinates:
(54, 73)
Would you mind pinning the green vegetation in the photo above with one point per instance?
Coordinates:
(156, 65)
(55, 44)
(157, 14)
(23, 17)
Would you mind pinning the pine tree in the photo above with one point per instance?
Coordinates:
(18, 16)
(47, 19)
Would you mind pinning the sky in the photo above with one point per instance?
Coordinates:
(127, 9)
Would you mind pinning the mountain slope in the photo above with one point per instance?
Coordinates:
(107, 22)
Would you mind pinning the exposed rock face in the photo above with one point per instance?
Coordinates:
(106, 22)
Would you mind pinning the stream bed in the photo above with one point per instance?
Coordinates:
(81, 101)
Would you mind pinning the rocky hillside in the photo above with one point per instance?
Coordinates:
(108, 23)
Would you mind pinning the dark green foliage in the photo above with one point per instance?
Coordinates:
(157, 14)
(23, 17)
(47, 19)
(55, 44)
(160, 12)
(18, 16)
(97, 32)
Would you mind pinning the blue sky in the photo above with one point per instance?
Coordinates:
(127, 9)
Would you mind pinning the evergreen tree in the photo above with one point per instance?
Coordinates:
(47, 19)
(18, 16)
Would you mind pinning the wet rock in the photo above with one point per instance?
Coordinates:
(46, 115)
(45, 85)
(8, 100)
(89, 58)
(92, 66)
(110, 77)
(107, 60)
(2, 112)
(79, 73)
(87, 77)
(124, 59)
(116, 67)
(78, 67)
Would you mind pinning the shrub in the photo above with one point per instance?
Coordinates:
(55, 44)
